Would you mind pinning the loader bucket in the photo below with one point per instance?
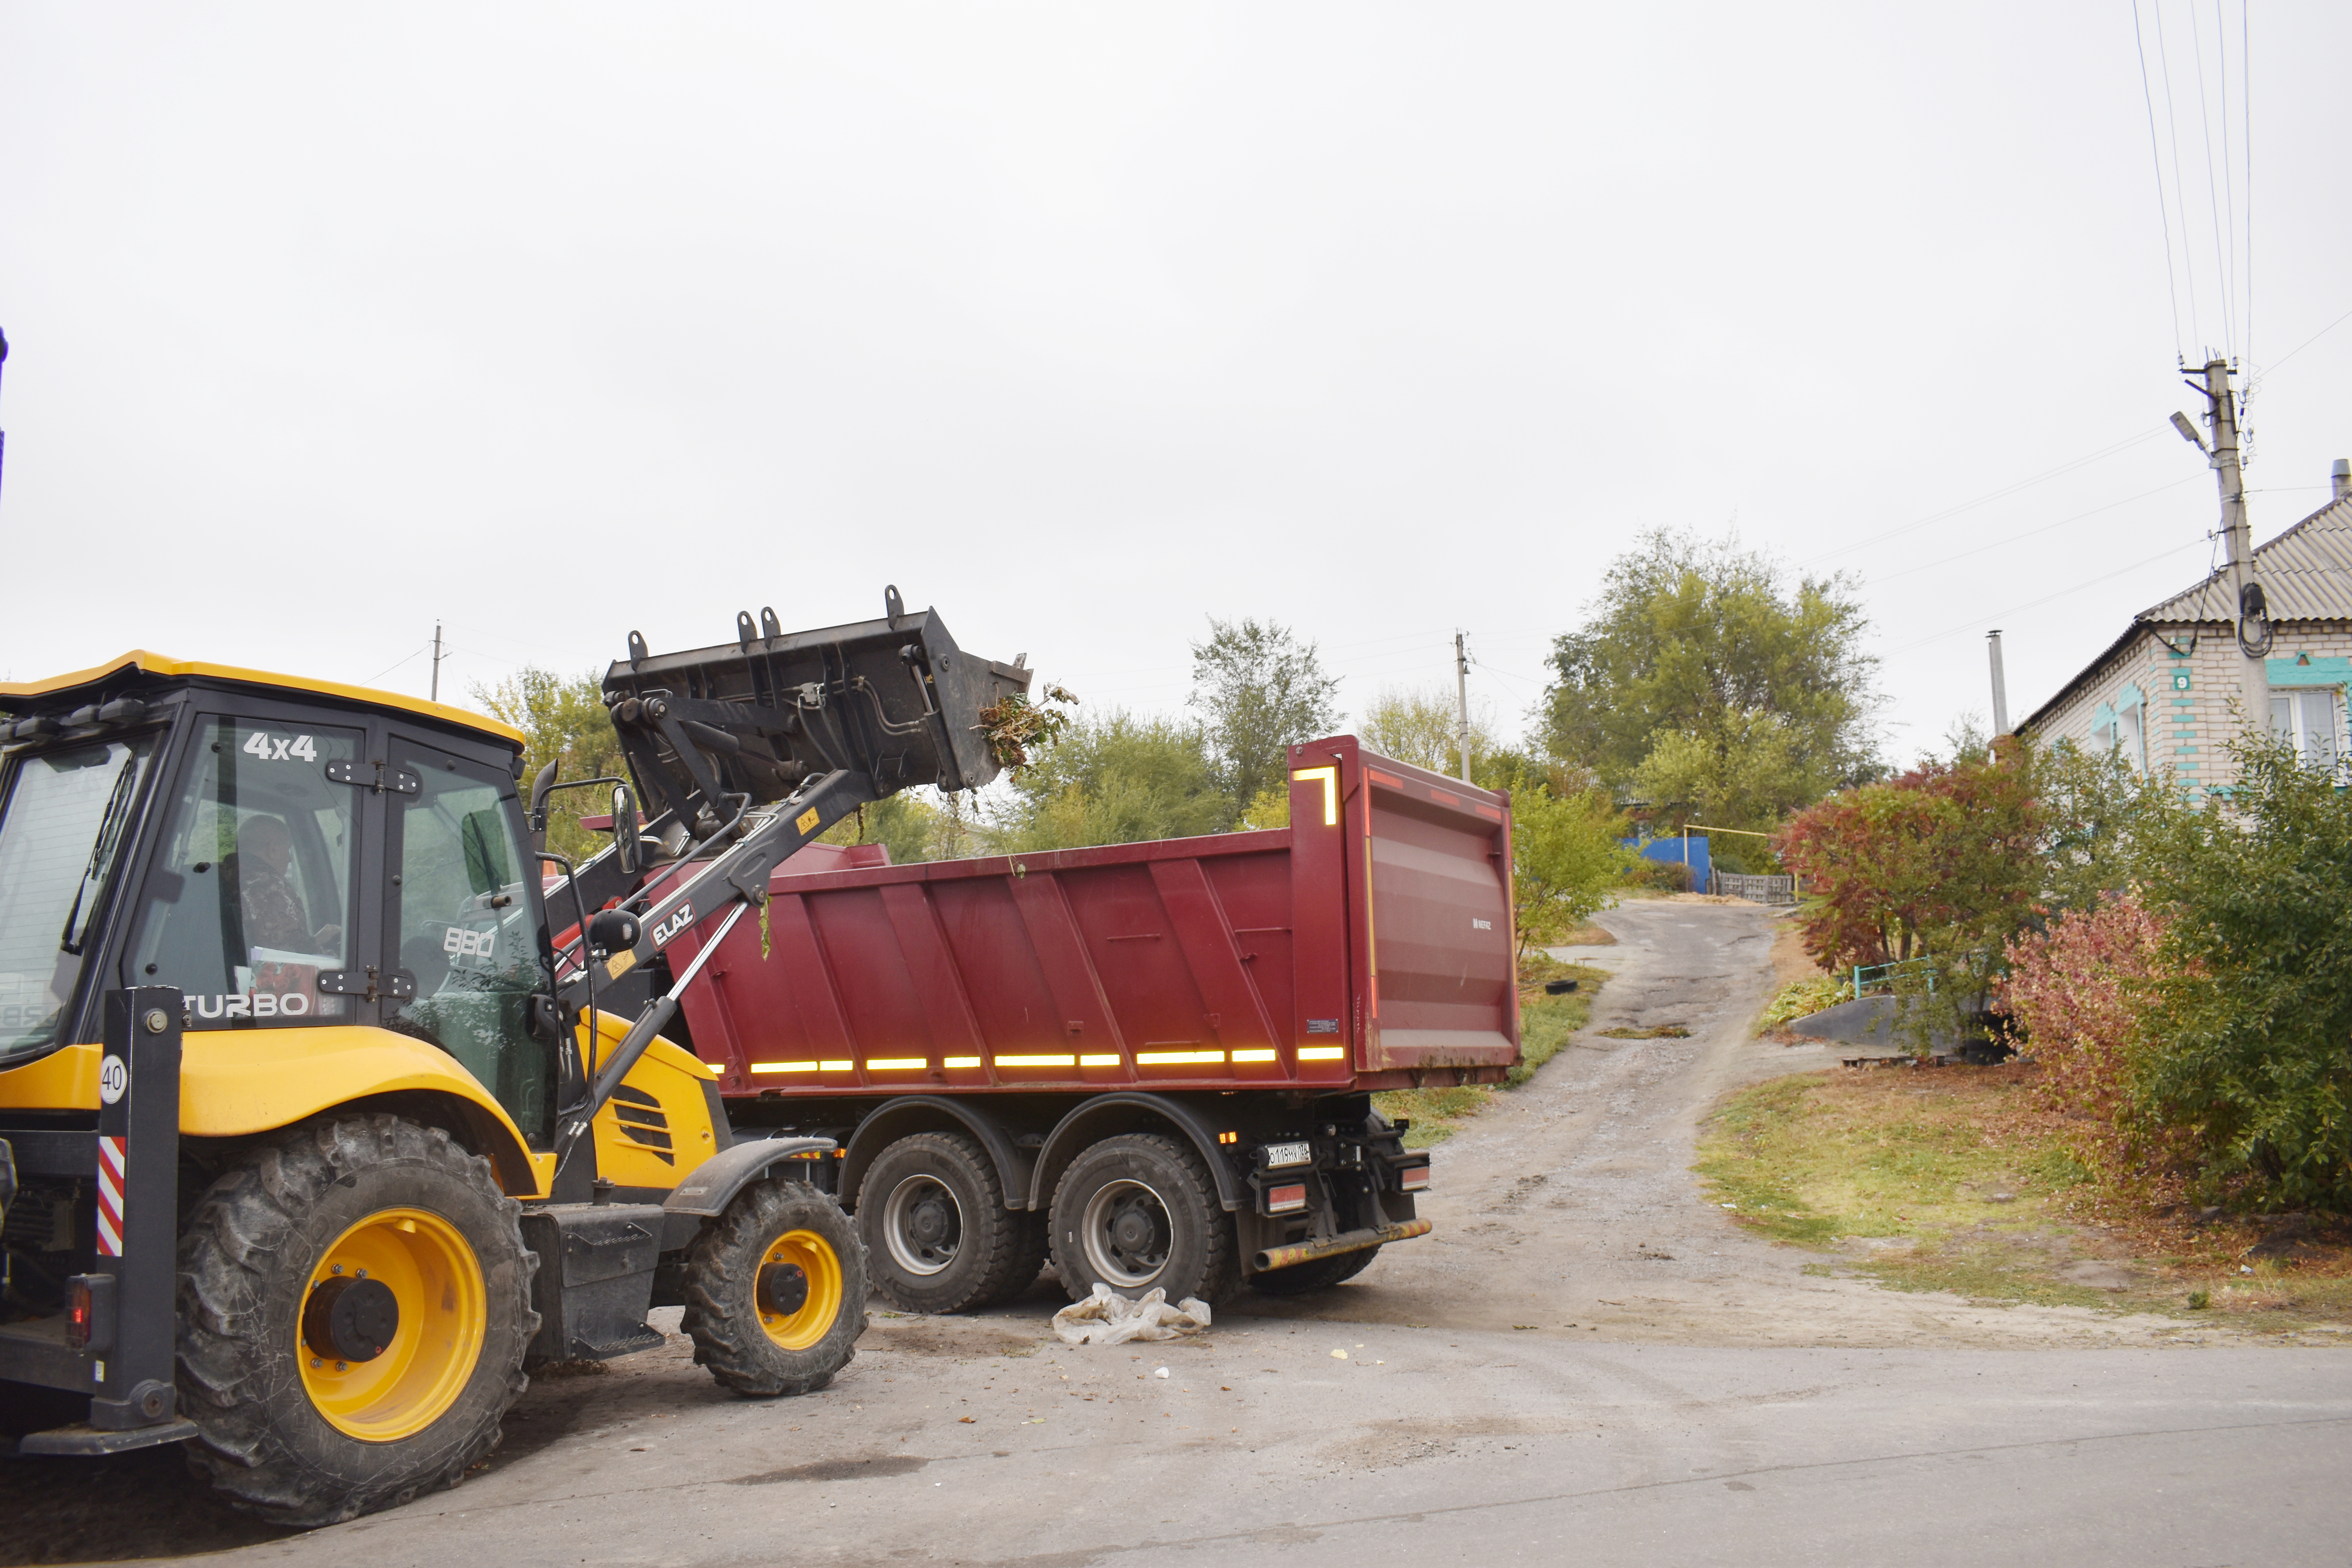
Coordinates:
(894, 700)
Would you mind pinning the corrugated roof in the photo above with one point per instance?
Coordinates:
(2305, 573)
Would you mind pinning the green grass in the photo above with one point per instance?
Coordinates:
(1801, 997)
(1546, 1026)
(1810, 1157)
(1963, 1180)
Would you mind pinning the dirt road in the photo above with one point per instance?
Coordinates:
(1572, 1201)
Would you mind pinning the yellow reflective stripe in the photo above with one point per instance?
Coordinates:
(1330, 777)
(783, 1067)
(1253, 1055)
(896, 1064)
(962, 1062)
(836, 1066)
(1321, 1053)
(1036, 1061)
(1174, 1056)
(1104, 1061)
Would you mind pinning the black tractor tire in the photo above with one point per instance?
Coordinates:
(1140, 1212)
(1316, 1274)
(245, 1299)
(938, 1235)
(755, 1343)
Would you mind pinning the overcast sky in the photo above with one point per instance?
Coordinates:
(1085, 324)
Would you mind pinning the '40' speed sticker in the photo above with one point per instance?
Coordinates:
(280, 748)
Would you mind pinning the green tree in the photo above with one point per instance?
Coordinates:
(909, 826)
(563, 720)
(1258, 691)
(1707, 682)
(2250, 1061)
(1937, 870)
(1566, 856)
(2103, 823)
(1115, 778)
(1417, 725)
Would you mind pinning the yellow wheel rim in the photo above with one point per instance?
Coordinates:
(814, 1256)
(436, 1291)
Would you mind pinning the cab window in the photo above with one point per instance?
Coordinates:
(64, 819)
(248, 899)
(463, 925)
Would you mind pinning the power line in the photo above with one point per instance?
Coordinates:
(2002, 493)
(2036, 603)
(2213, 186)
(395, 664)
(2299, 348)
(2155, 157)
(2012, 538)
(2180, 190)
(2245, 104)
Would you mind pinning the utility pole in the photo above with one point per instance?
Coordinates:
(1462, 703)
(2000, 686)
(437, 661)
(2249, 609)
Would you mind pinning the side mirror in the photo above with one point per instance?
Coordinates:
(540, 788)
(626, 848)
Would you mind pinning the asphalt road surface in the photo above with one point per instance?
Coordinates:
(1586, 1364)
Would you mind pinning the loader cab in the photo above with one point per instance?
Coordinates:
(290, 855)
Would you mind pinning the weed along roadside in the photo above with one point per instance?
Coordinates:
(1548, 1021)
(1958, 1180)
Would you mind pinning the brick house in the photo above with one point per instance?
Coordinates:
(2161, 693)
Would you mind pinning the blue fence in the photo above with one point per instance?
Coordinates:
(1689, 849)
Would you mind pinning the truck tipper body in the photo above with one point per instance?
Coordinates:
(1237, 998)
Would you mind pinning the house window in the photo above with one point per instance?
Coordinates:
(2307, 721)
(2122, 726)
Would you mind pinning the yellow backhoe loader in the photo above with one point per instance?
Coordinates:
(330, 1103)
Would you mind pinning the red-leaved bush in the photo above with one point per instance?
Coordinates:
(2083, 990)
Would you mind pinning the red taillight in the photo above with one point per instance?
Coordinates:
(1283, 1200)
(79, 1312)
(1413, 1178)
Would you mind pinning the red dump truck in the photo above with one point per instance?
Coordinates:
(1151, 1062)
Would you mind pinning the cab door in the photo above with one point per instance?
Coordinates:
(464, 934)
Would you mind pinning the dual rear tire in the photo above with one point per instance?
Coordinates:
(932, 1212)
(1140, 1212)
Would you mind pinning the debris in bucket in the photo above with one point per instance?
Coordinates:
(1107, 1318)
(1013, 724)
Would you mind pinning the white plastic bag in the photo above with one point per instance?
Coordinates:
(1107, 1318)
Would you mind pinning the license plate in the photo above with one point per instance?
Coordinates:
(1280, 1155)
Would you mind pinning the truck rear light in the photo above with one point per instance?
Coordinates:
(89, 1312)
(1413, 1178)
(1286, 1200)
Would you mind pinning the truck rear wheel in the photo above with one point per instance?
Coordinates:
(938, 1235)
(1316, 1274)
(355, 1302)
(1140, 1212)
(775, 1290)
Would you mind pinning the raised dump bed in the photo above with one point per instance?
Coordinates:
(1367, 946)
